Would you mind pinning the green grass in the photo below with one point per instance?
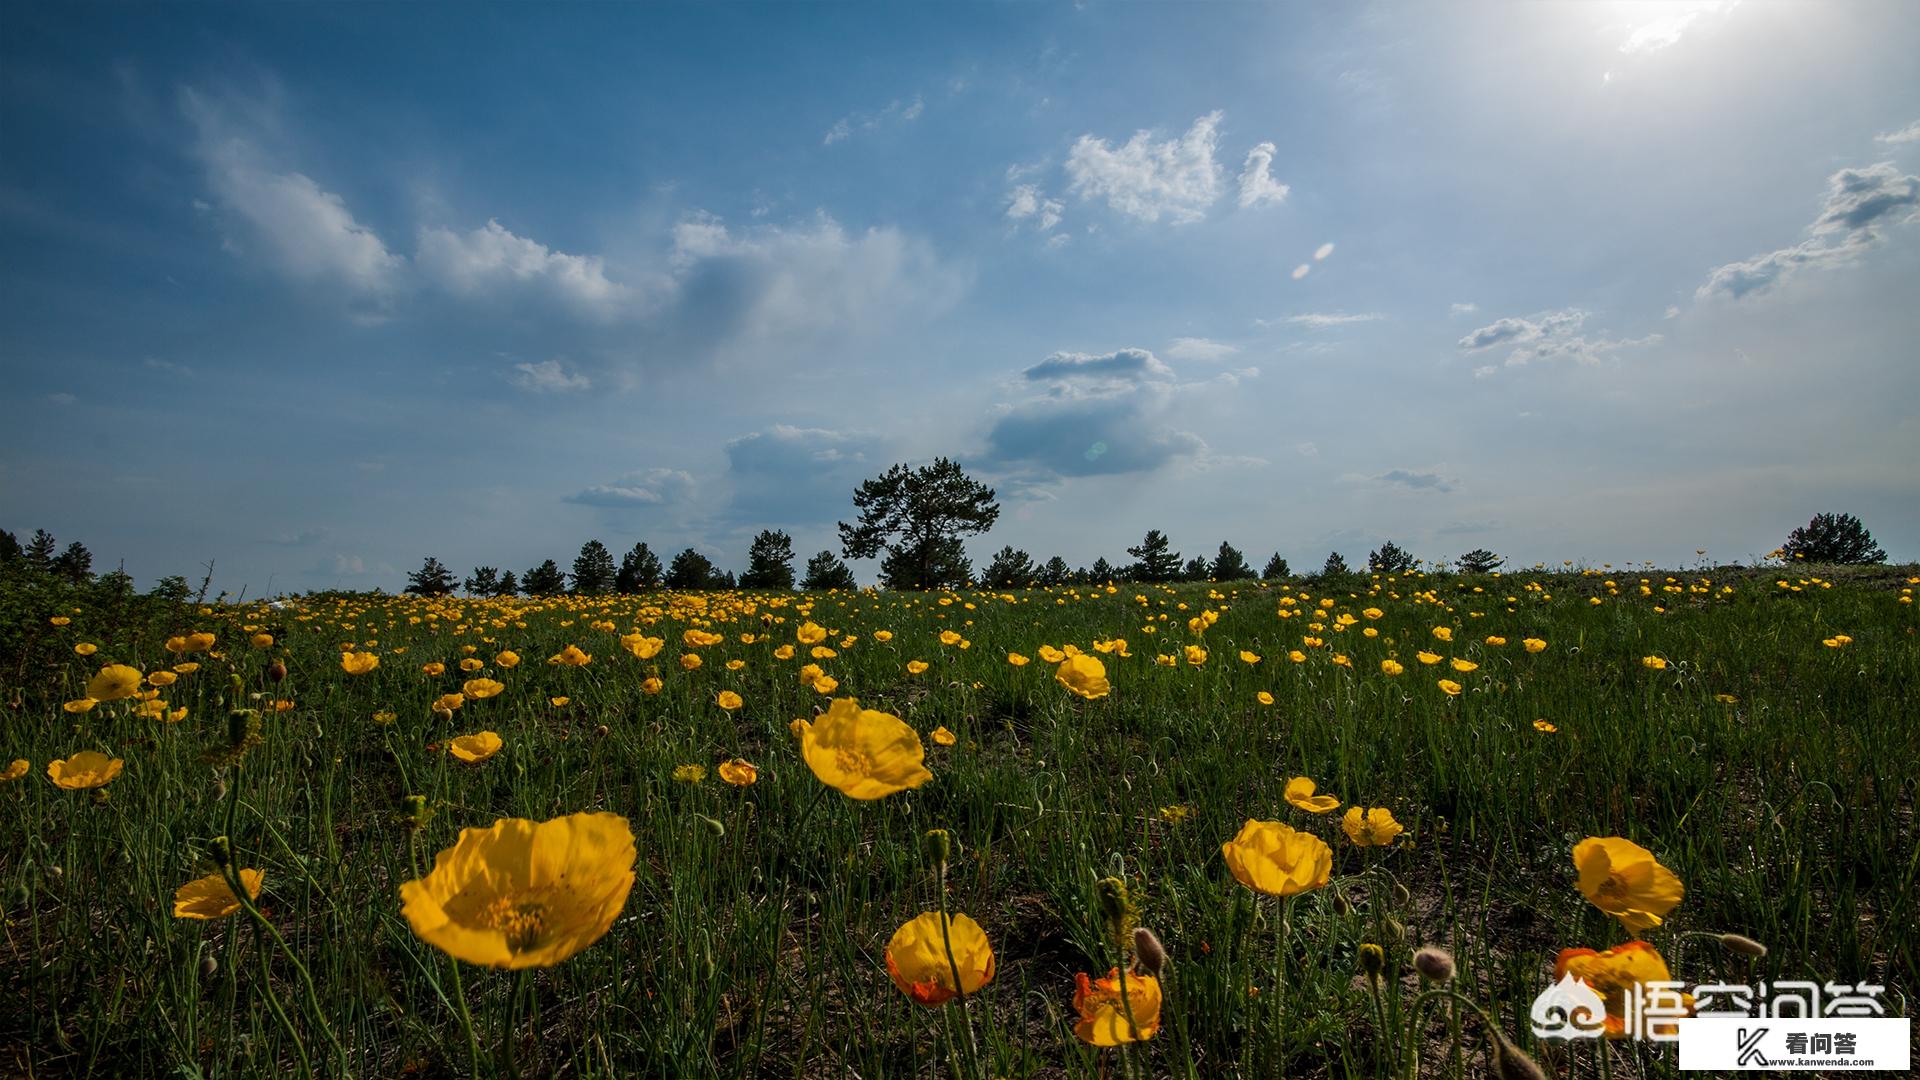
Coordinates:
(752, 947)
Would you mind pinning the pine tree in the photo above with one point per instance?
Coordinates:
(1335, 567)
(769, 562)
(1389, 558)
(691, 570)
(1832, 538)
(545, 580)
(1480, 561)
(75, 564)
(1157, 559)
(825, 571)
(40, 551)
(432, 579)
(639, 571)
(918, 517)
(1101, 572)
(1009, 569)
(1195, 570)
(1056, 572)
(1277, 569)
(10, 550)
(1230, 565)
(593, 568)
(509, 585)
(484, 581)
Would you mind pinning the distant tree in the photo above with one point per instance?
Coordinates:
(691, 570)
(75, 564)
(1056, 572)
(10, 550)
(1101, 573)
(115, 583)
(484, 581)
(1335, 566)
(593, 568)
(172, 589)
(41, 550)
(1010, 568)
(1157, 559)
(1195, 570)
(1230, 565)
(1480, 561)
(769, 562)
(1277, 569)
(544, 580)
(639, 570)
(1833, 538)
(825, 571)
(509, 585)
(918, 517)
(1389, 558)
(432, 579)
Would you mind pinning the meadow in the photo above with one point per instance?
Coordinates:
(1752, 731)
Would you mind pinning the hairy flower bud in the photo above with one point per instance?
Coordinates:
(276, 671)
(1434, 963)
(1373, 960)
(220, 849)
(1149, 955)
(1117, 910)
(937, 846)
(1512, 1063)
(1745, 946)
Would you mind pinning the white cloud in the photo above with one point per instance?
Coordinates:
(1121, 365)
(1257, 185)
(1675, 19)
(306, 231)
(896, 112)
(1302, 271)
(549, 377)
(1328, 320)
(1467, 308)
(61, 398)
(1858, 201)
(1910, 133)
(492, 257)
(1027, 203)
(644, 488)
(1201, 349)
(1552, 335)
(154, 363)
(1147, 179)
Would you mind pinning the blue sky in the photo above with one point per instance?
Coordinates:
(315, 291)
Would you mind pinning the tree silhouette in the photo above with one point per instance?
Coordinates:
(1229, 564)
(825, 571)
(769, 562)
(593, 568)
(1833, 538)
(1277, 569)
(432, 579)
(918, 517)
(1157, 559)
(639, 570)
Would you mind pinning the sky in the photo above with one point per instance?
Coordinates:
(315, 291)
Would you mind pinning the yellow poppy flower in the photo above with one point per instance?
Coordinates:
(114, 682)
(810, 633)
(476, 747)
(1263, 698)
(641, 646)
(15, 770)
(433, 668)
(1051, 655)
(863, 753)
(1614, 974)
(1105, 1020)
(1533, 644)
(211, 897)
(690, 662)
(917, 958)
(739, 772)
(1016, 659)
(472, 664)
(559, 701)
(481, 689)
(690, 774)
(1542, 725)
(86, 648)
(59, 620)
(1426, 657)
(1391, 667)
(260, 641)
(507, 658)
(1496, 640)
(449, 702)
(784, 652)
(1273, 858)
(1083, 675)
(1370, 828)
(736, 665)
(942, 736)
(1463, 666)
(883, 636)
(523, 893)
(1300, 794)
(1653, 663)
(651, 685)
(86, 769)
(1248, 657)
(1196, 655)
(80, 705)
(187, 668)
(571, 656)
(1624, 880)
(728, 700)
(1444, 633)
(358, 663)
(1297, 656)
(1451, 688)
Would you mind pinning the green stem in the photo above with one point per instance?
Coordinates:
(953, 965)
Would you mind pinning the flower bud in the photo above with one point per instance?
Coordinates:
(1745, 946)
(1512, 1063)
(1434, 963)
(1116, 908)
(1149, 955)
(937, 846)
(220, 849)
(276, 671)
(714, 825)
(209, 966)
(1400, 895)
(414, 812)
(1341, 907)
(1373, 960)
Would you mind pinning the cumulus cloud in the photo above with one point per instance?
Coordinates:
(490, 258)
(1200, 349)
(1257, 185)
(1026, 202)
(306, 231)
(1417, 481)
(794, 474)
(1910, 133)
(549, 377)
(1089, 437)
(1858, 201)
(1149, 179)
(638, 490)
(1125, 365)
(772, 282)
(1552, 335)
